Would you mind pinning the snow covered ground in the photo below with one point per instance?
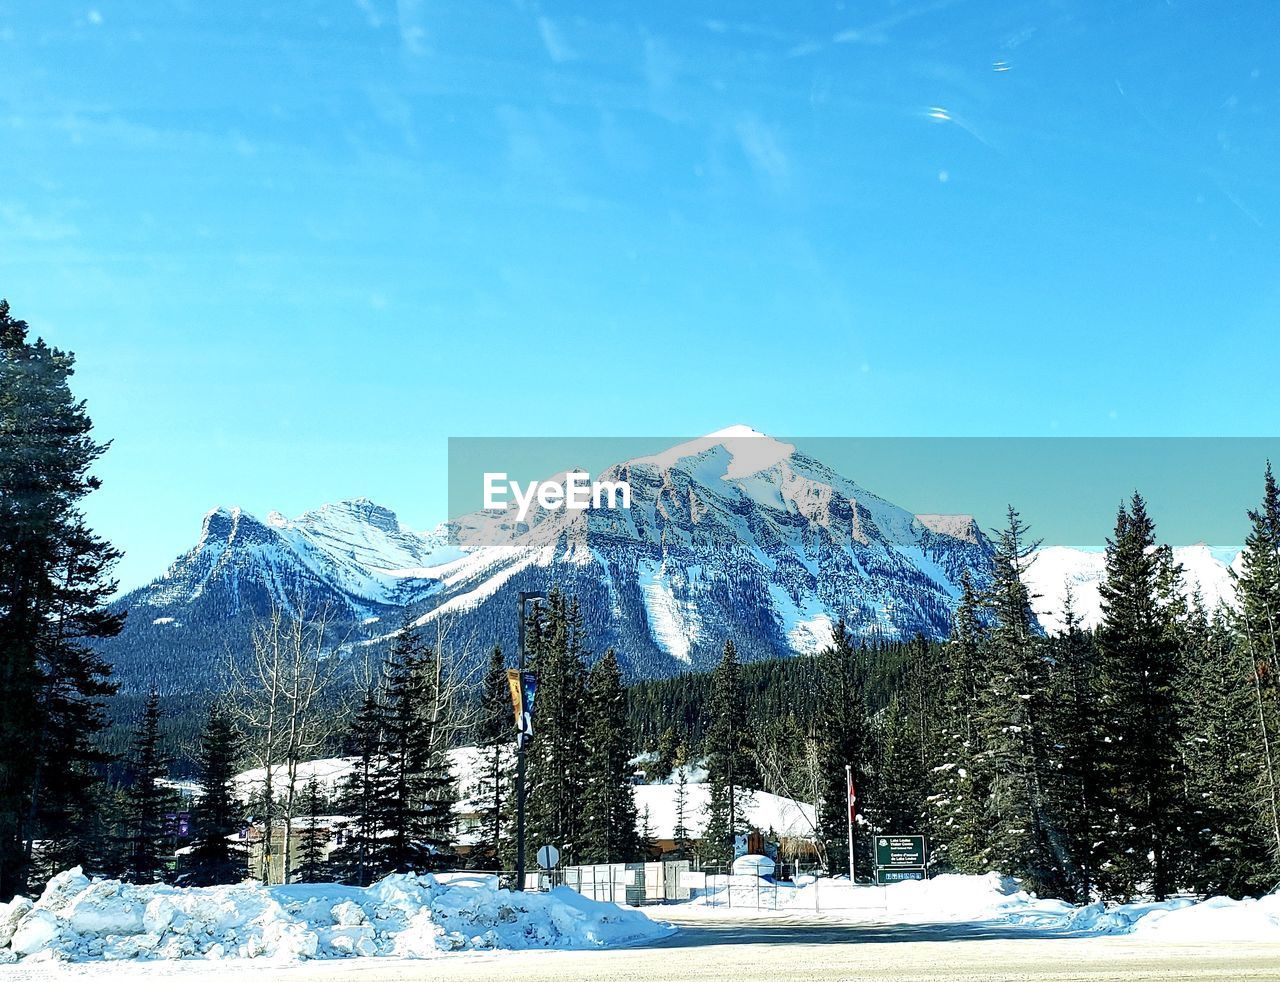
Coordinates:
(415, 917)
(82, 919)
(990, 899)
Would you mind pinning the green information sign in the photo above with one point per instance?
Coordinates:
(884, 876)
(898, 851)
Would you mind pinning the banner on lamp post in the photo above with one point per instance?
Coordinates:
(524, 687)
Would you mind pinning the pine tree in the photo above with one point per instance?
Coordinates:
(1077, 792)
(54, 581)
(420, 791)
(1013, 718)
(960, 783)
(1137, 681)
(554, 753)
(665, 760)
(608, 807)
(359, 859)
(149, 800)
(494, 735)
(898, 799)
(1257, 623)
(1226, 831)
(841, 729)
(646, 849)
(680, 833)
(215, 857)
(313, 867)
(727, 763)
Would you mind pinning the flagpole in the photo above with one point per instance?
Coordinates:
(521, 736)
(850, 803)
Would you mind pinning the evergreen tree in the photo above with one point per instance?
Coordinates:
(1137, 679)
(665, 755)
(960, 783)
(608, 806)
(54, 581)
(554, 758)
(1077, 792)
(646, 842)
(841, 730)
(681, 833)
(726, 749)
(1257, 624)
(359, 858)
(215, 857)
(418, 804)
(898, 802)
(313, 868)
(106, 832)
(149, 800)
(494, 736)
(1012, 712)
(1226, 830)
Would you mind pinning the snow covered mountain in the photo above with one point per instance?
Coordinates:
(734, 535)
(1205, 570)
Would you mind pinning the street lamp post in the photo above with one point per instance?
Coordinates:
(523, 599)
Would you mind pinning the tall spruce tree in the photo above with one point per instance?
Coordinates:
(960, 781)
(555, 765)
(609, 832)
(418, 803)
(1225, 829)
(728, 767)
(494, 737)
(1257, 622)
(150, 801)
(1013, 715)
(1077, 790)
(841, 729)
(359, 858)
(1137, 679)
(54, 581)
(215, 857)
(898, 802)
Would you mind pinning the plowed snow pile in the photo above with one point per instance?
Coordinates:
(411, 916)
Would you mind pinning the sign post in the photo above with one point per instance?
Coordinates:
(899, 857)
(522, 717)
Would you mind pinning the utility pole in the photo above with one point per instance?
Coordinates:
(523, 599)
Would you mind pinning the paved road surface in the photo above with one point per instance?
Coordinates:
(758, 949)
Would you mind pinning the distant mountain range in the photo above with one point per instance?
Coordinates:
(1205, 570)
(734, 535)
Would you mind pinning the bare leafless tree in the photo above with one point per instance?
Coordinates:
(279, 695)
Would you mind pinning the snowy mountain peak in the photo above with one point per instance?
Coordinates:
(736, 432)
(359, 511)
(736, 451)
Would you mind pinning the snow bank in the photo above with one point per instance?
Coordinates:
(413, 916)
(1218, 919)
(993, 898)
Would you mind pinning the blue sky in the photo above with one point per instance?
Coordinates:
(298, 245)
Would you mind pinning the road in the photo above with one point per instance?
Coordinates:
(751, 948)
